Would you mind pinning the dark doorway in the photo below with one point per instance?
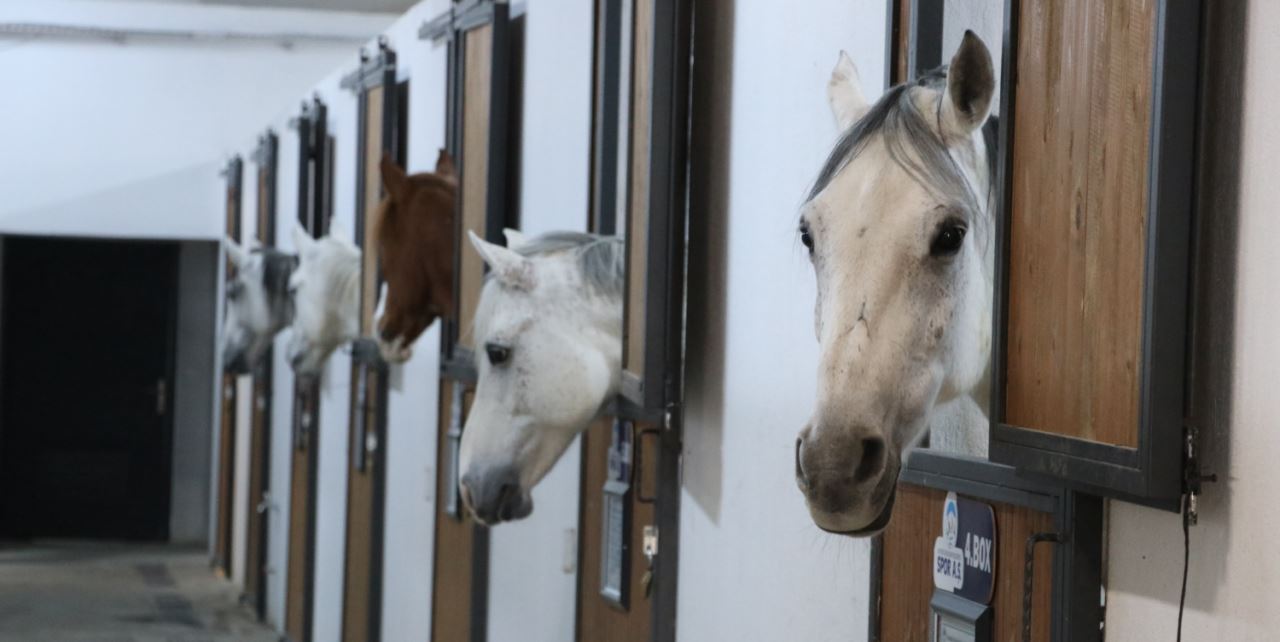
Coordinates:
(87, 365)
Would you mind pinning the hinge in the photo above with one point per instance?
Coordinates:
(1193, 477)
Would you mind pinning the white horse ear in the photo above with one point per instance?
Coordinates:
(235, 253)
(515, 238)
(844, 91)
(971, 83)
(512, 269)
(301, 239)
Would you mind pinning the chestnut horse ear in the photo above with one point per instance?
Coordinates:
(235, 253)
(511, 269)
(444, 164)
(393, 177)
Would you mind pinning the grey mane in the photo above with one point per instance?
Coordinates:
(602, 259)
(911, 142)
(276, 269)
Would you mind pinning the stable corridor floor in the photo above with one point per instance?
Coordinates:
(92, 592)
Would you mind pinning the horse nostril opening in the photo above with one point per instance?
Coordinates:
(387, 335)
(804, 481)
(872, 461)
(508, 497)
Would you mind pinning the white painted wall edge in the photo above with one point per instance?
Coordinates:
(184, 204)
(202, 18)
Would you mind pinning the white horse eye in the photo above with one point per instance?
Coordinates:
(948, 240)
(498, 354)
(806, 236)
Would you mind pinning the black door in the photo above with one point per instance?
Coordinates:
(88, 335)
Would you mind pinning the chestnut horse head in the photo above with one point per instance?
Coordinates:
(416, 236)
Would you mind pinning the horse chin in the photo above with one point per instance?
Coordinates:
(850, 525)
(394, 351)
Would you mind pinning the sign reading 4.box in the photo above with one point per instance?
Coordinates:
(964, 560)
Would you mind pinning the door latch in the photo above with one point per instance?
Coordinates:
(162, 396)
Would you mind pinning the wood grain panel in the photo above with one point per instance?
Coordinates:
(373, 125)
(362, 581)
(455, 539)
(638, 189)
(900, 71)
(260, 425)
(1078, 218)
(259, 433)
(226, 476)
(907, 586)
(359, 539)
(302, 507)
(599, 620)
(475, 171)
(227, 426)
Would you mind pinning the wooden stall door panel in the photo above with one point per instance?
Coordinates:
(374, 98)
(359, 569)
(227, 427)
(907, 580)
(255, 556)
(226, 475)
(302, 514)
(637, 188)
(600, 621)
(295, 619)
(478, 51)
(455, 539)
(1078, 218)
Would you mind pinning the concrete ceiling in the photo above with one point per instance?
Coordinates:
(373, 6)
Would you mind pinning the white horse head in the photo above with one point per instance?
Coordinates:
(258, 304)
(899, 230)
(326, 291)
(548, 333)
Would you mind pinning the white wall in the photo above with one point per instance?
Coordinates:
(93, 114)
(531, 595)
(410, 509)
(1235, 571)
(411, 412)
(752, 564)
(193, 391)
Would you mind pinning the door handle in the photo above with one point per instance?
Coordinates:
(162, 396)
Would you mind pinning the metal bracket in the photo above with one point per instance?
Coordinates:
(1028, 575)
(1192, 476)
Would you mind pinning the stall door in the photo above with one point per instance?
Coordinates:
(260, 418)
(314, 146)
(222, 537)
(381, 130)
(1092, 326)
(1096, 102)
(478, 36)
(630, 484)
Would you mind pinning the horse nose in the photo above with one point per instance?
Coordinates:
(839, 468)
(494, 495)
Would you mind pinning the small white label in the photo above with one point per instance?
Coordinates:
(948, 565)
